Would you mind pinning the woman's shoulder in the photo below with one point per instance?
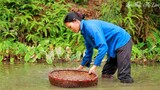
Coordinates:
(93, 20)
(96, 22)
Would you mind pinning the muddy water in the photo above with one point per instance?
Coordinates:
(35, 77)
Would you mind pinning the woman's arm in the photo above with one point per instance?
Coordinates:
(87, 59)
(98, 38)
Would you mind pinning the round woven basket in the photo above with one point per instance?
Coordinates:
(72, 78)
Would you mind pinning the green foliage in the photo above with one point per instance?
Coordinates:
(135, 16)
(15, 51)
(140, 19)
(111, 11)
(27, 21)
(33, 30)
(34, 26)
(149, 50)
(1, 58)
(80, 1)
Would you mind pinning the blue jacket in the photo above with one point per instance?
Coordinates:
(104, 36)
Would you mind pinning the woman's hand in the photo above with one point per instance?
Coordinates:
(92, 69)
(80, 67)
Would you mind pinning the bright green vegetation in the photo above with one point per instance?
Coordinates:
(142, 20)
(33, 30)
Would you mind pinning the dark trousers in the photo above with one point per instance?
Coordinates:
(120, 62)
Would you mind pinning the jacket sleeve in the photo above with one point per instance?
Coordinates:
(87, 59)
(100, 43)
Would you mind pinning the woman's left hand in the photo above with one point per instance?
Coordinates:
(92, 69)
(80, 67)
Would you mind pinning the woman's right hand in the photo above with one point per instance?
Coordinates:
(80, 67)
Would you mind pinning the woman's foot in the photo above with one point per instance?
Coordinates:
(130, 80)
(107, 76)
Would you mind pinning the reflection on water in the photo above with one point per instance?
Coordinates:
(35, 77)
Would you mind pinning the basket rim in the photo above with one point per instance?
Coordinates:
(56, 78)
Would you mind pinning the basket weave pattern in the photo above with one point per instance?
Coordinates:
(72, 78)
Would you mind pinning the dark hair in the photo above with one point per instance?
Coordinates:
(71, 16)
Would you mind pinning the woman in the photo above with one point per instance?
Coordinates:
(108, 39)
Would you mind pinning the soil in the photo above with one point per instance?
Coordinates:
(73, 75)
(91, 9)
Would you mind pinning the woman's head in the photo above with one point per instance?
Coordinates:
(72, 21)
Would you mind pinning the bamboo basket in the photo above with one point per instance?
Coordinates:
(70, 78)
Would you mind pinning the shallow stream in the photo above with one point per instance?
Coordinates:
(31, 76)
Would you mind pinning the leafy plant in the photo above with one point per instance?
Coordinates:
(149, 50)
(132, 15)
(33, 30)
(80, 1)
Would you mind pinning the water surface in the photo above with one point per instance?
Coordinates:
(30, 76)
